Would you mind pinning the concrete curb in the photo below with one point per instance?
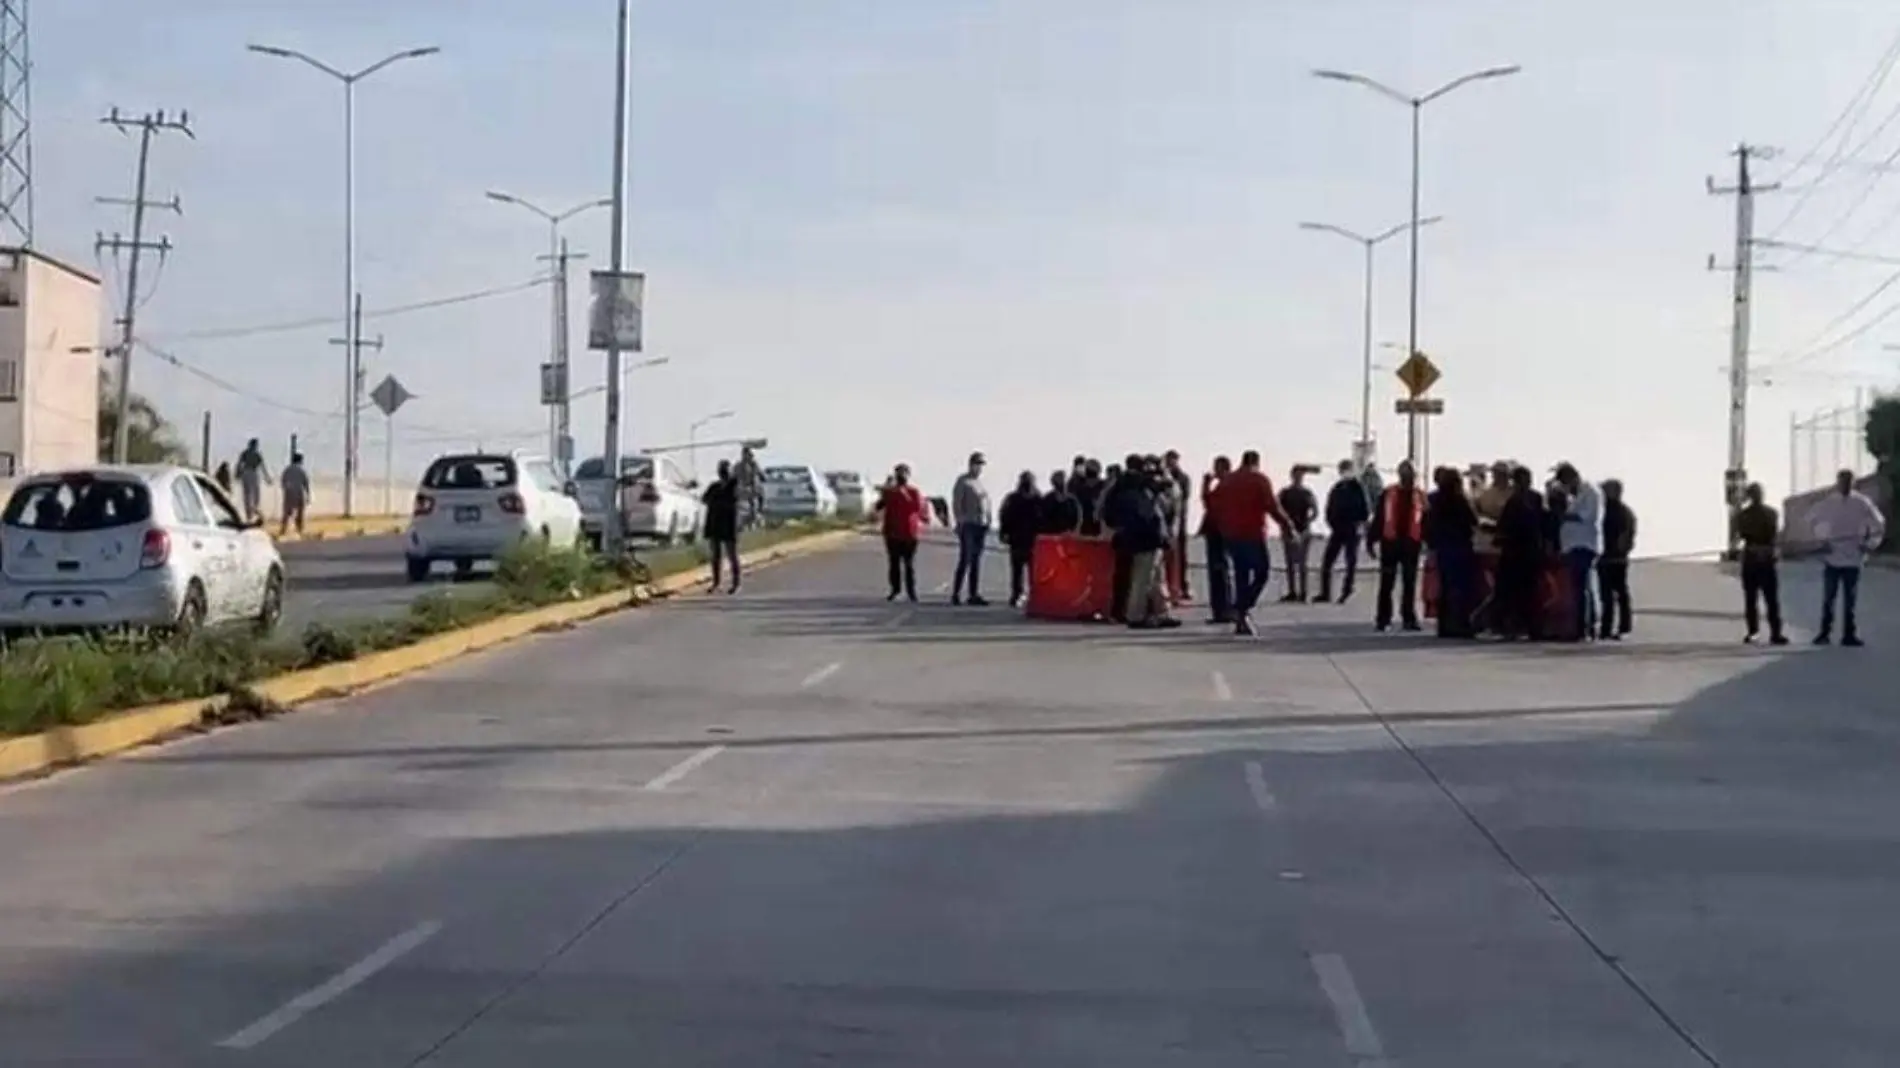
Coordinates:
(33, 754)
(331, 528)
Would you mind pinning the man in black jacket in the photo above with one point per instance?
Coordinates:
(1220, 584)
(1347, 511)
(1061, 512)
(1018, 521)
(1517, 604)
(1613, 567)
(1118, 504)
(721, 525)
(1757, 526)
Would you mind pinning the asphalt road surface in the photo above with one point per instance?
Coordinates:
(354, 578)
(803, 826)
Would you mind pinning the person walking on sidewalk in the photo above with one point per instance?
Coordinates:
(1220, 585)
(251, 476)
(1849, 524)
(721, 501)
(1348, 509)
(1399, 529)
(1018, 522)
(971, 515)
(1302, 508)
(1758, 527)
(900, 511)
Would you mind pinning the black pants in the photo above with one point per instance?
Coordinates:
(1220, 584)
(1338, 542)
(1020, 556)
(1398, 560)
(1179, 546)
(1613, 595)
(1124, 564)
(1761, 581)
(1516, 607)
(724, 550)
(900, 555)
(1457, 590)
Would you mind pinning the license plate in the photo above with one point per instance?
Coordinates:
(468, 514)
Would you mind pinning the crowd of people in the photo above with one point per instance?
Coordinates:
(1494, 538)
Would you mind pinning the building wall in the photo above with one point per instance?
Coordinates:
(13, 397)
(50, 415)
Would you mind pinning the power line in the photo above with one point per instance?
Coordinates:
(1850, 116)
(229, 333)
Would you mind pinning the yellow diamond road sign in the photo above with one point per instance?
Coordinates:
(1418, 374)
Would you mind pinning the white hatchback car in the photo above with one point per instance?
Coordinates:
(797, 491)
(476, 506)
(657, 500)
(142, 546)
(854, 498)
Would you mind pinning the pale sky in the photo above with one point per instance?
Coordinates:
(884, 231)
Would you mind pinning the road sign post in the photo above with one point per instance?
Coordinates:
(1418, 374)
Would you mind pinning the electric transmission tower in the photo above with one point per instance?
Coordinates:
(16, 141)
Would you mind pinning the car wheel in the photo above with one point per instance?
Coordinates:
(418, 569)
(191, 614)
(271, 612)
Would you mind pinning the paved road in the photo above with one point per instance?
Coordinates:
(803, 826)
(353, 578)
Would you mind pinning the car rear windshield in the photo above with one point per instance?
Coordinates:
(79, 502)
(471, 473)
(846, 478)
(788, 474)
(638, 466)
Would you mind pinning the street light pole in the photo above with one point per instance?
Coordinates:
(612, 533)
(1417, 104)
(352, 374)
(1369, 244)
(692, 438)
(558, 257)
(625, 369)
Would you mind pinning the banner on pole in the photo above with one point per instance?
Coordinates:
(617, 310)
(553, 383)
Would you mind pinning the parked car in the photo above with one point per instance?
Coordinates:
(657, 500)
(475, 506)
(797, 491)
(855, 496)
(140, 546)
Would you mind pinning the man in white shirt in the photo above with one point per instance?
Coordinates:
(1849, 525)
(1580, 538)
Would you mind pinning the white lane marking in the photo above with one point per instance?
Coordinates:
(1355, 1024)
(315, 998)
(1257, 786)
(683, 768)
(1222, 691)
(821, 675)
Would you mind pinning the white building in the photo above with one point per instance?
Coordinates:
(49, 364)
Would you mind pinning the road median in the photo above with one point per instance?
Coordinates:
(333, 527)
(65, 701)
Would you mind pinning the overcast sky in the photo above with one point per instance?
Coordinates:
(884, 231)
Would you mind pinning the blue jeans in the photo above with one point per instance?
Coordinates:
(1844, 583)
(1250, 567)
(1581, 565)
(971, 537)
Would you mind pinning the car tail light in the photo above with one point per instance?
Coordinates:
(649, 494)
(511, 503)
(425, 504)
(156, 549)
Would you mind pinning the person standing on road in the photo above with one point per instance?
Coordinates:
(1451, 527)
(1613, 569)
(1144, 534)
(1399, 530)
(1183, 492)
(1518, 600)
(1118, 502)
(251, 476)
(721, 501)
(1220, 585)
(970, 513)
(900, 509)
(1580, 540)
(1018, 521)
(1758, 528)
(1242, 503)
(294, 484)
(1301, 508)
(1348, 509)
(1088, 489)
(1061, 512)
(1850, 525)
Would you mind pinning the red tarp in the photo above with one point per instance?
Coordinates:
(1555, 594)
(1074, 578)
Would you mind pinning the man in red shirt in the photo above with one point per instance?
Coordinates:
(1240, 506)
(902, 510)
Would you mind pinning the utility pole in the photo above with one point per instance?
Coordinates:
(204, 443)
(560, 425)
(148, 125)
(355, 343)
(1735, 478)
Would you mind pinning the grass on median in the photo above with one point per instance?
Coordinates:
(52, 682)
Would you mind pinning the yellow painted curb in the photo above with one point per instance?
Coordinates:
(34, 753)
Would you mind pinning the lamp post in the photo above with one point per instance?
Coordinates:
(692, 438)
(352, 343)
(612, 534)
(625, 369)
(1417, 104)
(558, 413)
(1369, 244)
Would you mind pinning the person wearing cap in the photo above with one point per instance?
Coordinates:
(970, 514)
(1580, 540)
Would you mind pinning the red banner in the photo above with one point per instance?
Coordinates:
(1554, 595)
(1074, 578)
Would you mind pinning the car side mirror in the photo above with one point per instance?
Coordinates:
(570, 489)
